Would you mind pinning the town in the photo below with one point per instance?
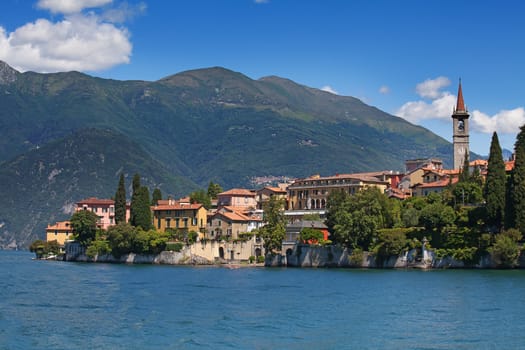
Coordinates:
(229, 226)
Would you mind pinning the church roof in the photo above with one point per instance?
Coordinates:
(460, 106)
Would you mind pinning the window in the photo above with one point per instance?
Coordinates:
(194, 221)
(177, 222)
(168, 222)
(104, 210)
(185, 222)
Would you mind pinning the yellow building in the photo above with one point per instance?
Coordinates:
(179, 215)
(264, 195)
(312, 193)
(229, 223)
(61, 232)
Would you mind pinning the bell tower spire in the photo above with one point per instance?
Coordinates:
(460, 105)
(460, 133)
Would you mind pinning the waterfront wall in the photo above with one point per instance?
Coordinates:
(335, 256)
(200, 253)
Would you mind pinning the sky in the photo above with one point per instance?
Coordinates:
(405, 57)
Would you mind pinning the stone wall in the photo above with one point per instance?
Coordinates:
(200, 253)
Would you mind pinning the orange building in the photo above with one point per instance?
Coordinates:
(61, 231)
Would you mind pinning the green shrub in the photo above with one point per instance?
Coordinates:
(176, 247)
(260, 259)
(98, 247)
(505, 251)
(356, 257)
(252, 259)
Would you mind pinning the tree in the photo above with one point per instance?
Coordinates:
(120, 201)
(275, 224)
(156, 196)
(467, 193)
(517, 185)
(505, 250)
(311, 235)
(84, 224)
(201, 197)
(142, 209)
(214, 189)
(121, 239)
(134, 198)
(354, 220)
(464, 176)
(390, 242)
(494, 190)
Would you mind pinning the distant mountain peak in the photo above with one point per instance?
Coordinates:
(7, 74)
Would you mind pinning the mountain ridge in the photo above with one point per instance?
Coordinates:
(202, 125)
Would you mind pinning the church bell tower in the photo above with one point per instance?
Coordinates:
(460, 133)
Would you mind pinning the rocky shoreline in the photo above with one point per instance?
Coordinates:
(304, 256)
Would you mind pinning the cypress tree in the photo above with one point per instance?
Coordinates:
(464, 176)
(142, 209)
(134, 197)
(494, 191)
(156, 196)
(517, 183)
(120, 201)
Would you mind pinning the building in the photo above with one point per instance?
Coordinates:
(264, 194)
(312, 193)
(229, 223)
(238, 198)
(104, 208)
(437, 186)
(180, 215)
(460, 124)
(429, 163)
(61, 232)
(293, 232)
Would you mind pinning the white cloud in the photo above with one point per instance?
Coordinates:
(430, 88)
(503, 122)
(329, 89)
(70, 6)
(124, 12)
(384, 90)
(83, 42)
(439, 105)
(440, 108)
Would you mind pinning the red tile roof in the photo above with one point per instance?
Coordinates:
(478, 162)
(509, 166)
(60, 225)
(440, 183)
(95, 201)
(276, 189)
(176, 206)
(238, 192)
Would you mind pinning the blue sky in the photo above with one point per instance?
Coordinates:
(404, 57)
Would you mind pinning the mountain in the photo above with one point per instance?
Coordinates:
(42, 185)
(181, 132)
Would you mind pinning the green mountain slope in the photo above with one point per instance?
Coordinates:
(206, 124)
(42, 185)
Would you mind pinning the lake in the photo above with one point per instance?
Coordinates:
(64, 305)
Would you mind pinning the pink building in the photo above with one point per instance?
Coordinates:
(104, 208)
(237, 198)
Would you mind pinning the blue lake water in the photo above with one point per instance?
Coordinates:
(60, 305)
